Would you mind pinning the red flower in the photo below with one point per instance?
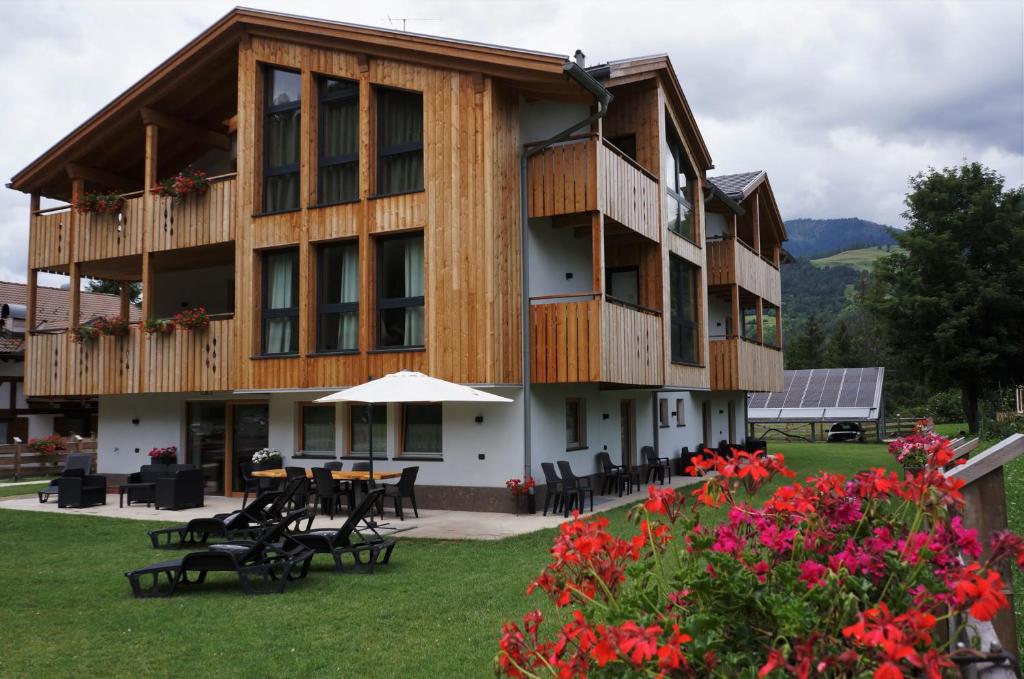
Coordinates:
(985, 593)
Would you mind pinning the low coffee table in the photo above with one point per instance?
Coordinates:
(125, 487)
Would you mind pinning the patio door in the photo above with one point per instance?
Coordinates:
(706, 416)
(250, 431)
(206, 441)
(627, 432)
(732, 423)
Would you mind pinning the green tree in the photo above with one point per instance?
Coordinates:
(806, 349)
(953, 292)
(839, 351)
(114, 288)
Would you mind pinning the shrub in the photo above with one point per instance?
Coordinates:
(944, 406)
(1001, 428)
(830, 577)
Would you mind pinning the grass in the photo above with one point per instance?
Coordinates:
(436, 610)
(27, 489)
(861, 259)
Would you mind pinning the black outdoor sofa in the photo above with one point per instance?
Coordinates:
(78, 489)
(73, 463)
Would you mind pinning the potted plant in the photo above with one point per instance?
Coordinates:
(267, 458)
(100, 202)
(912, 451)
(47, 445)
(158, 326)
(522, 493)
(85, 334)
(168, 455)
(195, 318)
(188, 182)
(113, 326)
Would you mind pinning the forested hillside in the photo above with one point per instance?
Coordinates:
(812, 238)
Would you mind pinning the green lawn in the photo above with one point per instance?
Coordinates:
(861, 259)
(27, 489)
(434, 611)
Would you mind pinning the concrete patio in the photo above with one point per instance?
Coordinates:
(432, 523)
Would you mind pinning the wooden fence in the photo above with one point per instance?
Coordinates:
(18, 461)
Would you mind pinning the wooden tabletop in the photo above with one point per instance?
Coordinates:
(336, 475)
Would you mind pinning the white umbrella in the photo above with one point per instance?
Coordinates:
(408, 386)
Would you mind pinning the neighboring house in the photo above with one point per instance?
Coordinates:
(36, 417)
(370, 212)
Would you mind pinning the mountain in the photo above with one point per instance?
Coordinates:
(812, 238)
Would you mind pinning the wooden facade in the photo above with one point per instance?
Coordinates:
(741, 365)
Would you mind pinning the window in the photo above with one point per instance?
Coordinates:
(282, 111)
(338, 297)
(749, 328)
(680, 413)
(683, 300)
(575, 424)
(625, 143)
(400, 292)
(663, 412)
(359, 431)
(399, 141)
(769, 325)
(338, 139)
(316, 429)
(281, 301)
(421, 429)
(678, 188)
(624, 284)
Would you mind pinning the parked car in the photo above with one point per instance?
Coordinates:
(841, 432)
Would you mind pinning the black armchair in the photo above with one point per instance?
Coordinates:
(575, 488)
(657, 467)
(405, 488)
(74, 461)
(615, 475)
(184, 488)
(141, 485)
(78, 489)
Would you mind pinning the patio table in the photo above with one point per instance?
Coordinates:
(125, 487)
(342, 475)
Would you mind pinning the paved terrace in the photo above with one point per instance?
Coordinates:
(432, 523)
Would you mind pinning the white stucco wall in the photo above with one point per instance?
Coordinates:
(555, 252)
(673, 437)
(716, 225)
(719, 312)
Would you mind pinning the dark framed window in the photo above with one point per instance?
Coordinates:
(400, 292)
(663, 412)
(421, 429)
(680, 413)
(316, 429)
(678, 187)
(769, 324)
(337, 297)
(749, 322)
(624, 284)
(683, 302)
(625, 143)
(399, 141)
(575, 424)
(282, 128)
(337, 141)
(359, 430)
(280, 295)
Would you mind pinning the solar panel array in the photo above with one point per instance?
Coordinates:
(823, 388)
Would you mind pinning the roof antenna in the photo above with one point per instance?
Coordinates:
(405, 20)
(581, 58)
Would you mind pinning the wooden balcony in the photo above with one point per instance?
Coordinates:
(740, 365)
(197, 220)
(106, 236)
(594, 340)
(589, 174)
(185, 361)
(48, 240)
(732, 262)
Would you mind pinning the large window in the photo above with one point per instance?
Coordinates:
(400, 292)
(338, 171)
(282, 109)
(421, 429)
(399, 141)
(281, 301)
(359, 430)
(678, 188)
(683, 294)
(338, 297)
(316, 429)
(749, 328)
(624, 284)
(769, 325)
(575, 424)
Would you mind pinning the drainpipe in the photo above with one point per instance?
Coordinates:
(573, 70)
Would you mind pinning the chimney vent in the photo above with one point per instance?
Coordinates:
(581, 58)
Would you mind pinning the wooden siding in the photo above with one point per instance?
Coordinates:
(628, 193)
(198, 360)
(49, 240)
(108, 365)
(732, 263)
(196, 220)
(739, 365)
(632, 348)
(99, 236)
(46, 365)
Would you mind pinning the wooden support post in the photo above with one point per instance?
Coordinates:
(597, 246)
(125, 293)
(30, 293)
(755, 218)
(737, 318)
(18, 449)
(778, 327)
(74, 277)
(759, 310)
(149, 205)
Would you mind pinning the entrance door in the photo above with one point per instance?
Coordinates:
(732, 423)
(706, 413)
(206, 444)
(250, 429)
(627, 433)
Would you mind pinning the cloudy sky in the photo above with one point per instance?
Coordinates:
(840, 102)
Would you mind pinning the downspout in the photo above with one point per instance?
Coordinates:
(575, 71)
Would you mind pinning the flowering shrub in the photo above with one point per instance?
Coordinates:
(46, 445)
(158, 326)
(85, 334)
(517, 487)
(112, 326)
(266, 455)
(192, 319)
(169, 451)
(912, 451)
(100, 202)
(829, 577)
(186, 183)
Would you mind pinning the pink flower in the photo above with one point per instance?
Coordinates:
(812, 573)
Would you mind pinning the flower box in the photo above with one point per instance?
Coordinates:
(188, 182)
(192, 319)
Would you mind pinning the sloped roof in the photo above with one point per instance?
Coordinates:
(738, 186)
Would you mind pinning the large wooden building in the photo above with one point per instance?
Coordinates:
(381, 200)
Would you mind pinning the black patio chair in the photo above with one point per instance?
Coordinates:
(657, 467)
(554, 490)
(685, 461)
(725, 449)
(405, 488)
(350, 540)
(334, 465)
(328, 491)
(263, 566)
(181, 488)
(250, 483)
(301, 498)
(74, 461)
(575, 488)
(78, 489)
(615, 475)
(754, 445)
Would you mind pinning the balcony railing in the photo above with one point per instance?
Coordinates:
(48, 238)
(105, 236)
(580, 337)
(732, 262)
(197, 220)
(589, 174)
(738, 364)
(197, 360)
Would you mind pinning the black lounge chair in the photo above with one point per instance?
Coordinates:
(615, 475)
(78, 489)
(657, 467)
(263, 566)
(575, 489)
(73, 462)
(339, 542)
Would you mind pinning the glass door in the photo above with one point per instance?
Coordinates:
(250, 429)
(626, 433)
(206, 443)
